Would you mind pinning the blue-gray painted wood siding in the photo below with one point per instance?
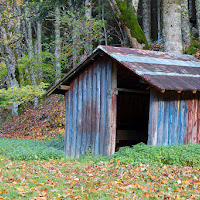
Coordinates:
(173, 118)
(88, 111)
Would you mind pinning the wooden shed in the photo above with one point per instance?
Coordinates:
(122, 96)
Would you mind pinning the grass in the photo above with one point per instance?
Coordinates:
(16, 149)
(38, 170)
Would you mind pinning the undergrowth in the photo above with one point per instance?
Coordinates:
(155, 155)
(16, 149)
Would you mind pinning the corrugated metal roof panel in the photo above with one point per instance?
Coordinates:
(164, 71)
(146, 53)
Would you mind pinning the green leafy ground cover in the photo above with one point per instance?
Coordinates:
(39, 170)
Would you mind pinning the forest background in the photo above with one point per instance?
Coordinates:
(42, 39)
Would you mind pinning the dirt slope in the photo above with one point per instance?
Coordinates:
(41, 122)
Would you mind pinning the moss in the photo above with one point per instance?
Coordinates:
(192, 49)
(130, 20)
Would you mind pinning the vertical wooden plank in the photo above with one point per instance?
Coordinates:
(67, 123)
(183, 120)
(103, 106)
(71, 118)
(180, 120)
(160, 117)
(84, 114)
(189, 120)
(155, 117)
(74, 120)
(113, 121)
(194, 118)
(97, 138)
(89, 111)
(108, 111)
(170, 125)
(166, 121)
(94, 88)
(176, 117)
(151, 115)
(198, 125)
(79, 117)
(174, 121)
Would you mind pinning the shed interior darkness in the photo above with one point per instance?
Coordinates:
(132, 109)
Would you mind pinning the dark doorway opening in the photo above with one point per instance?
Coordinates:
(132, 110)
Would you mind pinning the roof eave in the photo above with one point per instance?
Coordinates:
(74, 71)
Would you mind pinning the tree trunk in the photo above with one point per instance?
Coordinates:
(11, 66)
(159, 19)
(146, 18)
(88, 16)
(197, 4)
(135, 5)
(172, 26)
(39, 45)
(186, 35)
(88, 9)
(128, 19)
(57, 43)
(190, 7)
(104, 27)
(32, 71)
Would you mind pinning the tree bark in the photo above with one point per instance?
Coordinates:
(186, 34)
(32, 71)
(197, 4)
(128, 19)
(190, 8)
(88, 9)
(88, 16)
(172, 26)
(146, 18)
(57, 43)
(135, 4)
(39, 44)
(11, 65)
(159, 7)
(104, 26)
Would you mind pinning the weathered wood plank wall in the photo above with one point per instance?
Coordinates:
(174, 118)
(89, 105)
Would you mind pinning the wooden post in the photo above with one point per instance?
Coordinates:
(113, 121)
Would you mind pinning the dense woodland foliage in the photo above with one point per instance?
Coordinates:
(41, 39)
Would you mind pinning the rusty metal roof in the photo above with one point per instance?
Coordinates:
(164, 71)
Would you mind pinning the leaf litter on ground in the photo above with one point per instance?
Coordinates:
(64, 179)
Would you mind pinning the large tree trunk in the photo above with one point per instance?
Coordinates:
(190, 7)
(18, 33)
(32, 71)
(88, 9)
(104, 26)
(159, 7)
(172, 26)
(11, 66)
(88, 16)
(39, 45)
(146, 18)
(128, 18)
(186, 35)
(57, 43)
(197, 4)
